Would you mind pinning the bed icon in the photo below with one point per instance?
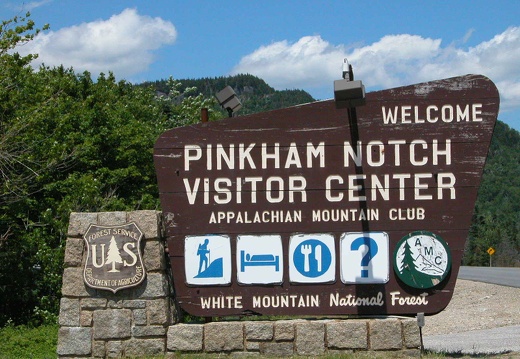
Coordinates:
(259, 260)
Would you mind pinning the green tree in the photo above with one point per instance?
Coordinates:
(496, 221)
(68, 143)
(16, 167)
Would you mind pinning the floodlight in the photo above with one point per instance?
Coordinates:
(347, 92)
(227, 98)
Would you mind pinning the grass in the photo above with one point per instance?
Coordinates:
(23, 342)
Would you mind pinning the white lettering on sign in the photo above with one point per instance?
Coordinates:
(271, 156)
(221, 302)
(415, 151)
(406, 214)
(353, 301)
(336, 187)
(311, 300)
(397, 299)
(345, 215)
(279, 216)
(432, 114)
(286, 301)
(426, 186)
(224, 190)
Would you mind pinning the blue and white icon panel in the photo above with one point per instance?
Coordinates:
(312, 258)
(364, 257)
(259, 259)
(207, 259)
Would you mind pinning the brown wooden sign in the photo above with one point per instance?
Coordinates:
(315, 210)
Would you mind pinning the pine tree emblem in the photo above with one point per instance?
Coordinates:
(113, 255)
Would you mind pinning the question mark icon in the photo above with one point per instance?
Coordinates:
(371, 253)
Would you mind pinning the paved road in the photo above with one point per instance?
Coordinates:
(481, 342)
(477, 342)
(493, 275)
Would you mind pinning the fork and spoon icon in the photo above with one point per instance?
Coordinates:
(306, 250)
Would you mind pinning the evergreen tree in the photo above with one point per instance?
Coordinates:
(113, 255)
(407, 268)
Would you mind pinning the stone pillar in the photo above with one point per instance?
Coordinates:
(131, 322)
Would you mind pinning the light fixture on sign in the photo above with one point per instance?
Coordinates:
(347, 92)
(227, 98)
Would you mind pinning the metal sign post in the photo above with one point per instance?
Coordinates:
(490, 251)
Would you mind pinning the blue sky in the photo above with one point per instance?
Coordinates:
(290, 44)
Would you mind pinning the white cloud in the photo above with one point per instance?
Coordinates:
(123, 44)
(30, 6)
(394, 60)
(307, 63)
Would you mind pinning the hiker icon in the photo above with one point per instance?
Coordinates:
(207, 259)
(213, 269)
(203, 253)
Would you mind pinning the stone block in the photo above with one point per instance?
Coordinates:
(114, 349)
(284, 330)
(224, 336)
(148, 331)
(98, 349)
(310, 338)
(412, 338)
(93, 303)
(185, 337)
(347, 334)
(158, 311)
(112, 324)
(154, 286)
(69, 312)
(385, 334)
(85, 318)
(112, 218)
(116, 303)
(259, 330)
(74, 248)
(283, 349)
(144, 347)
(134, 304)
(252, 346)
(149, 222)
(140, 317)
(74, 341)
(153, 255)
(73, 284)
(79, 223)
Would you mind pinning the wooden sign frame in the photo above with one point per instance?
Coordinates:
(302, 206)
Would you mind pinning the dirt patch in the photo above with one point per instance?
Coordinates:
(476, 306)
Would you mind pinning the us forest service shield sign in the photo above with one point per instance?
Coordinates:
(114, 258)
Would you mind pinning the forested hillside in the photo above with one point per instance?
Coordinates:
(496, 222)
(255, 95)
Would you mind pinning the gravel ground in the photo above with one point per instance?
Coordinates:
(476, 306)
